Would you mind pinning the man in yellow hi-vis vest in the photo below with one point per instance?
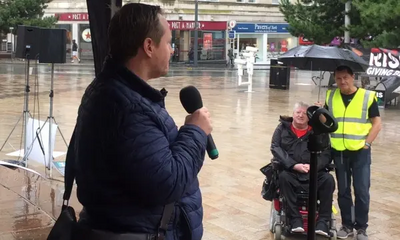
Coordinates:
(357, 113)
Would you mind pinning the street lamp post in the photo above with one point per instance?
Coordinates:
(347, 22)
(12, 40)
(196, 33)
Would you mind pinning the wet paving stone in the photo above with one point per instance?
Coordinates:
(231, 185)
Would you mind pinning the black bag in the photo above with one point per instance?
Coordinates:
(270, 184)
(67, 228)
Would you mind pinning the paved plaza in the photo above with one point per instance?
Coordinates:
(231, 185)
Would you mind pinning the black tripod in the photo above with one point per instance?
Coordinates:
(25, 117)
(322, 123)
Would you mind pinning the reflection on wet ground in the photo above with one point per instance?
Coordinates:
(243, 123)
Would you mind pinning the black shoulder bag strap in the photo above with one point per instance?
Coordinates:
(69, 174)
(69, 178)
(166, 217)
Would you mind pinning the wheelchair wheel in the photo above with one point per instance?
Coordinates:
(278, 232)
(333, 222)
(333, 235)
(273, 218)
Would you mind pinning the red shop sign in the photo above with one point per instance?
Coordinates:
(72, 16)
(173, 25)
(203, 25)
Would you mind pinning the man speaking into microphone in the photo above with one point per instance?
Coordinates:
(131, 160)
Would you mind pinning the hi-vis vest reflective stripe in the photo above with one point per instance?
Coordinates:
(353, 121)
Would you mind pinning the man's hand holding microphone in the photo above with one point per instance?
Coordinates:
(202, 119)
(200, 116)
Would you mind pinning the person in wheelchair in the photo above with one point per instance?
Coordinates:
(289, 149)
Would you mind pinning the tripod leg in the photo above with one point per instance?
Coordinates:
(26, 113)
(8, 137)
(312, 201)
(59, 130)
(51, 119)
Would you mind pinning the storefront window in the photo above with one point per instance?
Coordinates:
(85, 42)
(178, 46)
(279, 44)
(211, 44)
(252, 40)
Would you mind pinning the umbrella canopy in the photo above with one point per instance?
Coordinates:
(322, 58)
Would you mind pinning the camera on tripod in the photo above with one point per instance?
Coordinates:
(321, 120)
(322, 123)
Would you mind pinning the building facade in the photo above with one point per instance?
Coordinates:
(213, 16)
(271, 39)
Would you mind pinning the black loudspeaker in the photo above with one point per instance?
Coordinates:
(53, 46)
(28, 42)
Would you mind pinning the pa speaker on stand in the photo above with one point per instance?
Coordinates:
(28, 42)
(28, 48)
(53, 50)
(47, 46)
(53, 46)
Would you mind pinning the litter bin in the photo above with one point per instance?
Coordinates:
(279, 75)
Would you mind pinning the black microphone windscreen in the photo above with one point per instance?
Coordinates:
(191, 99)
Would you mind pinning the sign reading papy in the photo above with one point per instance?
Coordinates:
(384, 62)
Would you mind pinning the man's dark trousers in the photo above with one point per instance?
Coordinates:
(289, 182)
(356, 164)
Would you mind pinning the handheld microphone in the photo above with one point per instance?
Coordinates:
(191, 101)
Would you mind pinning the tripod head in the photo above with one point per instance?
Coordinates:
(322, 123)
(316, 115)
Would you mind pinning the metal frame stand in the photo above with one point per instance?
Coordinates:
(317, 143)
(25, 115)
(315, 148)
(250, 59)
(50, 119)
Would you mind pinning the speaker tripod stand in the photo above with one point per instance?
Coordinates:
(50, 120)
(28, 146)
(25, 115)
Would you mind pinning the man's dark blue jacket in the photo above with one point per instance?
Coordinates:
(131, 160)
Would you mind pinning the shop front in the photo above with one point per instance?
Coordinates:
(271, 39)
(211, 40)
(78, 29)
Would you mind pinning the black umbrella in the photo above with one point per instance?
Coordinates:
(322, 58)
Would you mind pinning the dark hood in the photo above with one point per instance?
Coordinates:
(286, 120)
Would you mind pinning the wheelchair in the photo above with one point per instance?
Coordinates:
(279, 222)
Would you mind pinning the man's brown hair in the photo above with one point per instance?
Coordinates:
(130, 26)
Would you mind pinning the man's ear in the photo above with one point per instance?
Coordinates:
(148, 47)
